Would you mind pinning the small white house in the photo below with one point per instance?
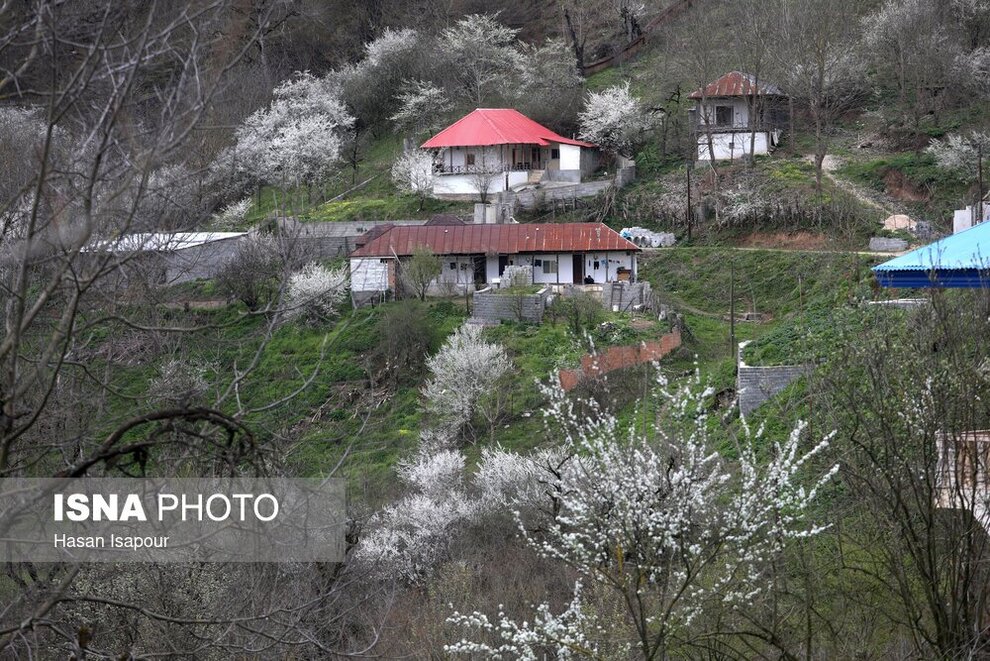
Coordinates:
(491, 150)
(473, 256)
(737, 114)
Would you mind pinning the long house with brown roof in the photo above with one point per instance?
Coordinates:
(474, 256)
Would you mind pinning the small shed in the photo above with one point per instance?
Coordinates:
(958, 261)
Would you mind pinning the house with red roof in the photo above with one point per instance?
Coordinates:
(474, 256)
(490, 150)
(736, 116)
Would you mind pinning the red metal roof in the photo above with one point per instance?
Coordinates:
(737, 83)
(509, 239)
(497, 126)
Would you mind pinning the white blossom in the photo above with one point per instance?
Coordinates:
(613, 118)
(664, 520)
(412, 172)
(298, 138)
(422, 107)
(315, 291)
(462, 373)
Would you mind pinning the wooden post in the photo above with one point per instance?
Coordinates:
(732, 311)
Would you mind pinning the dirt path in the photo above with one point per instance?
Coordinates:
(829, 167)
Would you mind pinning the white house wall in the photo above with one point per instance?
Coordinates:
(369, 274)
(604, 266)
(740, 113)
(732, 145)
(570, 157)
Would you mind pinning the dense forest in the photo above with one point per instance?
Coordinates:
(491, 514)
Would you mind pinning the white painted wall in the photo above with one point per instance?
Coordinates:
(561, 272)
(602, 266)
(740, 112)
(570, 157)
(369, 274)
(732, 145)
(456, 268)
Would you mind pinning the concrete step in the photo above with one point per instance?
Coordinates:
(535, 176)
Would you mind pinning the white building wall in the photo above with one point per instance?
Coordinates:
(369, 274)
(570, 157)
(740, 112)
(562, 271)
(732, 145)
(604, 266)
(456, 268)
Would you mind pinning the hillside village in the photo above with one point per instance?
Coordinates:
(626, 330)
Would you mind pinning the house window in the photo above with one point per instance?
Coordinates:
(470, 159)
(464, 267)
(536, 155)
(723, 115)
(549, 266)
(555, 154)
(453, 266)
(537, 262)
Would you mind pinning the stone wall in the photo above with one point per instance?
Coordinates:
(616, 358)
(624, 296)
(490, 306)
(755, 385)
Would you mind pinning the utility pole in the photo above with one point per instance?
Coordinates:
(688, 166)
(979, 178)
(732, 309)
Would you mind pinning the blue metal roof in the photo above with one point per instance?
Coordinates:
(960, 260)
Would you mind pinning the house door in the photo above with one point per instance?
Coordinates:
(578, 269)
(479, 270)
(503, 261)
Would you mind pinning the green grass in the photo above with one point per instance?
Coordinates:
(376, 199)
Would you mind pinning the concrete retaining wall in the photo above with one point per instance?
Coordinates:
(755, 385)
(493, 307)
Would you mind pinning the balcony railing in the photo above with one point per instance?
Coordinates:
(478, 169)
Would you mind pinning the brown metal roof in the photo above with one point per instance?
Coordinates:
(737, 83)
(495, 239)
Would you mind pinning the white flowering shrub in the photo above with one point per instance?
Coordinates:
(462, 374)
(564, 636)
(407, 540)
(412, 172)
(233, 215)
(614, 119)
(506, 481)
(959, 152)
(178, 384)
(298, 138)
(663, 521)
(423, 108)
(315, 292)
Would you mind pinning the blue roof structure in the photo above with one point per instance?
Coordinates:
(958, 261)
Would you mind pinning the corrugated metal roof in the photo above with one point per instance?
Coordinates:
(497, 126)
(737, 83)
(960, 260)
(496, 239)
(161, 242)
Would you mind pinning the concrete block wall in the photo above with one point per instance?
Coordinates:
(626, 295)
(491, 307)
(755, 385)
